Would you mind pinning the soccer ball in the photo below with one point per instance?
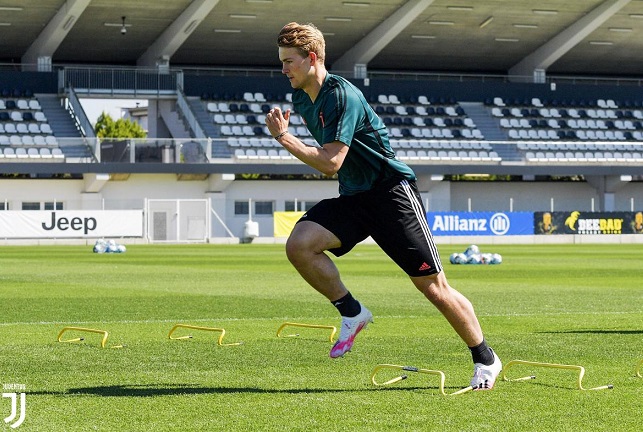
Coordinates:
(111, 246)
(472, 250)
(100, 246)
(121, 248)
(496, 258)
(474, 259)
(457, 258)
(486, 258)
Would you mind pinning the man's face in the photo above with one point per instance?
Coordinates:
(295, 67)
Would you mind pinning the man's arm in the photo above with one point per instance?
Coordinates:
(327, 159)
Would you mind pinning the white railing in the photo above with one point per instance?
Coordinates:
(130, 82)
(188, 115)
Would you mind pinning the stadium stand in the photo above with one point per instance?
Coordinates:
(424, 129)
(419, 120)
(24, 129)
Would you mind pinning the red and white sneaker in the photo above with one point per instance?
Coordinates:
(484, 377)
(350, 328)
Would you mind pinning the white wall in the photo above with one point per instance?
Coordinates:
(441, 196)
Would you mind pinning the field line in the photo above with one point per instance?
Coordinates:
(308, 318)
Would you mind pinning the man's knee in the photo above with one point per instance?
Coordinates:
(435, 288)
(309, 238)
(296, 247)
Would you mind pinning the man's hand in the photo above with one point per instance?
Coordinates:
(277, 121)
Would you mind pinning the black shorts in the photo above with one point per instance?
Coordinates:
(392, 214)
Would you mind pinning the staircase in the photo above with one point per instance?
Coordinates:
(175, 124)
(219, 147)
(490, 129)
(64, 129)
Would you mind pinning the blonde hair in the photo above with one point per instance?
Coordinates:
(305, 37)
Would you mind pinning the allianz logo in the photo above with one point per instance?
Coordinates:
(498, 223)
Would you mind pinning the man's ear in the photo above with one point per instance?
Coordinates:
(313, 58)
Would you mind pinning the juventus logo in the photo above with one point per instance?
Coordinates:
(14, 409)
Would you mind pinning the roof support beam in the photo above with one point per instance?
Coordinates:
(553, 50)
(371, 45)
(54, 33)
(159, 53)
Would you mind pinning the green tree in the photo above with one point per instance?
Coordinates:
(107, 127)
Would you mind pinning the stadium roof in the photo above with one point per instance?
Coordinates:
(563, 37)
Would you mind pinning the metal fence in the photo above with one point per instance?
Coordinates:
(120, 81)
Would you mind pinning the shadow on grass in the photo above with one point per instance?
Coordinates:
(152, 390)
(594, 331)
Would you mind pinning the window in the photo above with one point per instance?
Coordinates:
(241, 207)
(50, 206)
(4, 206)
(264, 207)
(301, 205)
(260, 207)
(31, 206)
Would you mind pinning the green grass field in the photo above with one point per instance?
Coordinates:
(570, 304)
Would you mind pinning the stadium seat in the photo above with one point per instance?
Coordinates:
(9, 153)
(401, 110)
(45, 153)
(46, 129)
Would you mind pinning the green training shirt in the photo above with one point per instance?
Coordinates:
(341, 113)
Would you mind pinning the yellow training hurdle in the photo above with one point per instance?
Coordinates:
(413, 369)
(580, 369)
(210, 329)
(333, 329)
(80, 339)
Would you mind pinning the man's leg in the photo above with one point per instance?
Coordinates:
(458, 310)
(455, 307)
(305, 249)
